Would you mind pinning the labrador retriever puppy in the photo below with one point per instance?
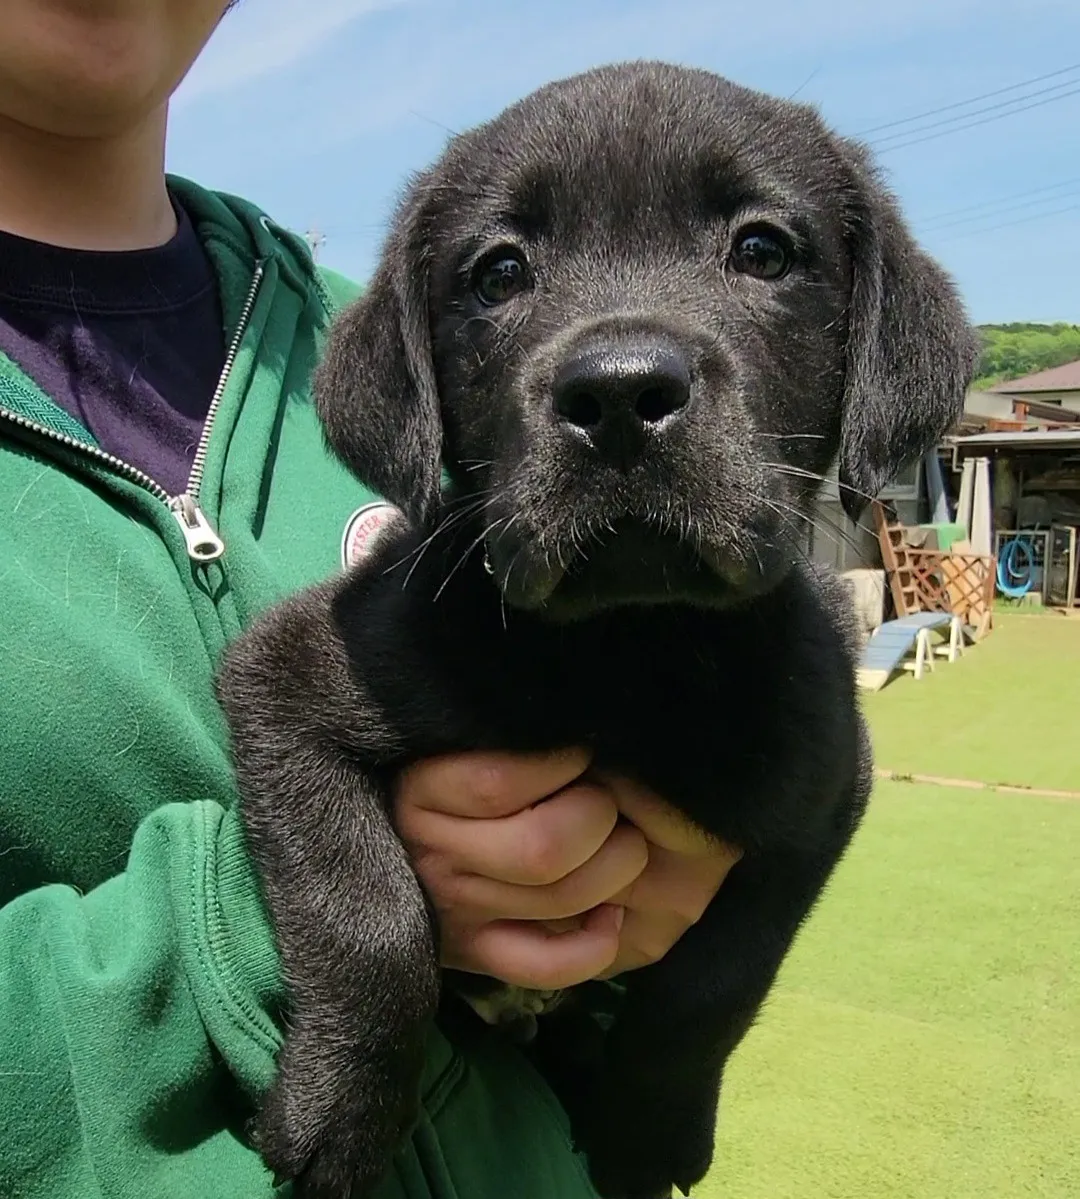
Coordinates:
(634, 319)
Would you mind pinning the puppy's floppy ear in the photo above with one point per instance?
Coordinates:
(910, 351)
(375, 388)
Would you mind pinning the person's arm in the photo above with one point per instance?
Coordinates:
(138, 1019)
(133, 1016)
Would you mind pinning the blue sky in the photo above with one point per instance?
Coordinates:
(319, 110)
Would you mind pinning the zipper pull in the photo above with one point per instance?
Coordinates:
(203, 544)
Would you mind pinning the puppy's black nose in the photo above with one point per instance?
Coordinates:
(614, 395)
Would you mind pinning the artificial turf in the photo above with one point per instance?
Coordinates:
(1005, 713)
(923, 1041)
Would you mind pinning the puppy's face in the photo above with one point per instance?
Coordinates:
(639, 300)
(644, 310)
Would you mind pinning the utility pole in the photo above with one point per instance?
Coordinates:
(315, 241)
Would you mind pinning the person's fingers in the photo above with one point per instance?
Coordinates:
(534, 847)
(662, 824)
(486, 785)
(669, 896)
(645, 938)
(683, 884)
(620, 859)
(525, 954)
(534, 875)
(686, 869)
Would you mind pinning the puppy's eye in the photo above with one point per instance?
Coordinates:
(500, 278)
(763, 253)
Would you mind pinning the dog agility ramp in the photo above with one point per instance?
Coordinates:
(894, 640)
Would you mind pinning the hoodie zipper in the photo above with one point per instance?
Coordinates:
(202, 542)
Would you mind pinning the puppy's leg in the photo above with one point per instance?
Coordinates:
(358, 957)
(351, 921)
(653, 1116)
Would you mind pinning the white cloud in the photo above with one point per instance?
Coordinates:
(353, 94)
(264, 36)
(533, 42)
(467, 58)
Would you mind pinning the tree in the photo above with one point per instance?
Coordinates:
(1013, 350)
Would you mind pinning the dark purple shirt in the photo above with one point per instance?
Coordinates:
(129, 343)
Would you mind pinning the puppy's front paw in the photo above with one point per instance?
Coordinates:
(332, 1136)
(644, 1149)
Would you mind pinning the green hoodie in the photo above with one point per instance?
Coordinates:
(138, 977)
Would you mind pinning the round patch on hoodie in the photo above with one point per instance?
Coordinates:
(363, 531)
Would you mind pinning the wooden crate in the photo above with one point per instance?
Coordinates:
(921, 580)
(969, 581)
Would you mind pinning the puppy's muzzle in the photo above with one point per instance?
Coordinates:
(617, 399)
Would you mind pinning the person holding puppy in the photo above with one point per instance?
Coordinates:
(162, 480)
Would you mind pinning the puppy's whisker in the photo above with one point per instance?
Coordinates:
(780, 507)
(510, 569)
(417, 551)
(832, 532)
(479, 320)
(824, 525)
(791, 437)
(478, 505)
(442, 527)
(860, 525)
(794, 530)
(785, 468)
(508, 526)
(466, 554)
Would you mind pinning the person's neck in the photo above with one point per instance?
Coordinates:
(86, 193)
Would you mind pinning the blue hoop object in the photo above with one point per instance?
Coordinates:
(1016, 568)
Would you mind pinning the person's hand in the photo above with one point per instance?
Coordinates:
(544, 878)
(686, 868)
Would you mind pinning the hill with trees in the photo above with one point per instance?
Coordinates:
(1010, 351)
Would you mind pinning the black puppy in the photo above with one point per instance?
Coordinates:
(635, 318)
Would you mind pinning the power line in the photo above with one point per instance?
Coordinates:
(915, 141)
(933, 112)
(968, 219)
(1000, 211)
(916, 136)
(1016, 105)
(806, 82)
(1038, 216)
(1035, 191)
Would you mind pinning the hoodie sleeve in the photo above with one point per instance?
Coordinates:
(339, 290)
(137, 1026)
(130, 1017)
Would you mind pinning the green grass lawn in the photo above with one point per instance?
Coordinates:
(1005, 713)
(924, 1039)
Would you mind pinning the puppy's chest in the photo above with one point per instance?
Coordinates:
(709, 711)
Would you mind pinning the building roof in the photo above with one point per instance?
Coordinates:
(1038, 439)
(1057, 378)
